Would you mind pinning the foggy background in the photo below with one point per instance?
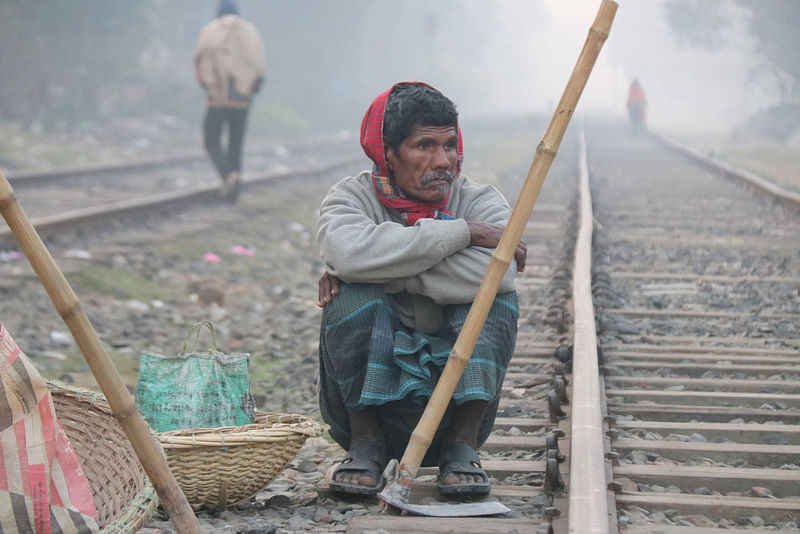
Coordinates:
(705, 66)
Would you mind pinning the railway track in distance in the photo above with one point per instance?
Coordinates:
(658, 356)
(696, 285)
(58, 200)
(654, 385)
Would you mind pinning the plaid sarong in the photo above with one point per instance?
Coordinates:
(367, 358)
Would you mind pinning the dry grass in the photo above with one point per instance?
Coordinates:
(773, 161)
(777, 163)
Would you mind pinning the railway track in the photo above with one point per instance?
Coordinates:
(697, 294)
(679, 411)
(525, 454)
(62, 198)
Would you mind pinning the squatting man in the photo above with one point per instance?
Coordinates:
(405, 246)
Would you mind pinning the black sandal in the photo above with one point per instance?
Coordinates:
(458, 457)
(363, 457)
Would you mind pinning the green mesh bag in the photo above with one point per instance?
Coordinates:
(196, 389)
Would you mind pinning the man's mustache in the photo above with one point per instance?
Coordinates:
(434, 176)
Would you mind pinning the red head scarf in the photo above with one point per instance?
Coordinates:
(392, 196)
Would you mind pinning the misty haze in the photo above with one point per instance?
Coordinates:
(203, 164)
(710, 66)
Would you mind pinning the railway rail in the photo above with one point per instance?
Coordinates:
(680, 411)
(654, 386)
(697, 293)
(62, 198)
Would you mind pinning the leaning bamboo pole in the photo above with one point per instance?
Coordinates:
(121, 401)
(501, 258)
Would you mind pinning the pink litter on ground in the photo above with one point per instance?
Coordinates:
(9, 255)
(242, 251)
(211, 257)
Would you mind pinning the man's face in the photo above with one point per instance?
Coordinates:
(425, 164)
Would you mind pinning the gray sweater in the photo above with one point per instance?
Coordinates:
(424, 266)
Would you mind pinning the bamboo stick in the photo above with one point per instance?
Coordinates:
(501, 258)
(121, 401)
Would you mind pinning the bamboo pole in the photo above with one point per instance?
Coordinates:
(504, 253)
(121, 401)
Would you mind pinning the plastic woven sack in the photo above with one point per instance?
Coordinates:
(195, 390)
(43, 488)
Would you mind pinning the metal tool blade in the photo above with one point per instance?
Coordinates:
(397, 491)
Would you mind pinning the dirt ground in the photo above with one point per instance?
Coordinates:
(249, 268)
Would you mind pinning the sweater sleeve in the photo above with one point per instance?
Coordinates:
(456, 278)
(358, 243)
(253, 48)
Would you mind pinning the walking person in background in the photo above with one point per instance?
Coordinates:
(229, 65)
(637, 106)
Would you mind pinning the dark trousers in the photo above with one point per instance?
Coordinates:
(225, 160)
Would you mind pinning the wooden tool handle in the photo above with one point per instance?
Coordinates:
(121, 401)
(504, 253)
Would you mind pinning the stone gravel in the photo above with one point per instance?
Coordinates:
(251, 269)
(144, 287)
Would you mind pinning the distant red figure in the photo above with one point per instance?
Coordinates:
(637, 104)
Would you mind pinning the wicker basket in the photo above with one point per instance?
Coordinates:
(217, 467)
(123, 495)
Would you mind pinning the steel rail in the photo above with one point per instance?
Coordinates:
(667, 397)
(64, 220)
(752, 178)
(26, 177)
(31, 176)
(588, 493)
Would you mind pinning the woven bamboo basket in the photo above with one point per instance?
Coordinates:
(218, 467)
(124, 497)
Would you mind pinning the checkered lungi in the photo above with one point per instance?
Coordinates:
(367, 358)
